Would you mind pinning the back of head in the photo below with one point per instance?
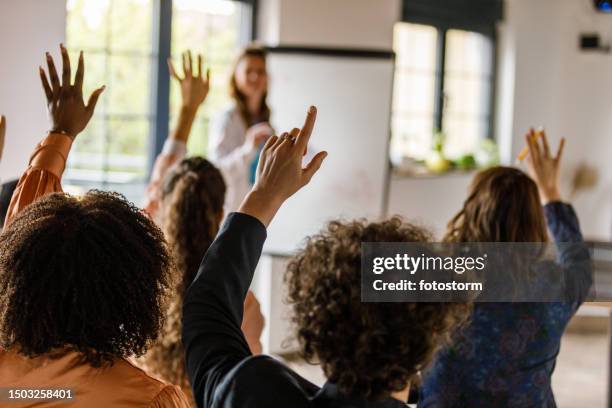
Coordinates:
(503, 206)
(368, 350)
(87, 274)
(192, 208)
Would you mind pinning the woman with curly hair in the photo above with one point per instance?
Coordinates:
(506, 355)
(82, 280)
(370, 353)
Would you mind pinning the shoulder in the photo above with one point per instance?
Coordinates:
(229, 114)
(267, 381)
(152, 389)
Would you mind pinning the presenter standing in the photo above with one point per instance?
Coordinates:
(238, 133)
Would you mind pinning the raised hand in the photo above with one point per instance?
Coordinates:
(67, 111)
(543, 167)
(194, 87)
(257, 134)
(280, 173)
(2, 134)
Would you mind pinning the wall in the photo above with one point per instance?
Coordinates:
(544, 80)
(329, 23)
(28, 28)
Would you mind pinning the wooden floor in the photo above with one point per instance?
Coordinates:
(579, 380)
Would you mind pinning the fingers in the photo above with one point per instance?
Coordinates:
(93, 100)
(172, 71)
(304, 135)
(207, 75)
(279, 141)
(78, 79)
(55, 83)
(271, 141)
(45, 85)
(65, 67)
(534, 150)
(560, 150)
(313, 166)
(294, 132)
(199, 74)
(187, 64)
(545, 147)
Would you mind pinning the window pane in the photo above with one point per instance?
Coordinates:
(128, 86)
(415, 46)
(414, 87)
(130, 26)
(412, 135)
(467, 91)
(462, 134)
(212, 28)
(116, 36)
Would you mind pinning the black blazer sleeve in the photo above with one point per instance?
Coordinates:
(213, 305)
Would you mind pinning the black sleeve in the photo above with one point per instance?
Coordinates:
(213, 305)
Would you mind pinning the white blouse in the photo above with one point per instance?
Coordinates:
(226, 149)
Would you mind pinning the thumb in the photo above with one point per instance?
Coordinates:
(93, 99)
(313, 166)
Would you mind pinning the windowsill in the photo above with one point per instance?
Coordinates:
(399, 174)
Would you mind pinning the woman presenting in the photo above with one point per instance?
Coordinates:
(237, 134)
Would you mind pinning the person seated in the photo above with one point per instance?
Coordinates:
(185, 197)
(370, 353)
(507, 353)
(83, 280)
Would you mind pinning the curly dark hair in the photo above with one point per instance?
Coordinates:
(88, 274)
(369, 350)
(193, 194)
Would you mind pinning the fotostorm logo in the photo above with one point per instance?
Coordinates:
(414, 264)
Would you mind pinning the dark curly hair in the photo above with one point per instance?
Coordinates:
(88, 274)
(369, 350)
(192, 206)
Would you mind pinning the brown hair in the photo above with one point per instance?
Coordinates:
(192, 203)
(503, 206)
(240, 98)
(368, 350)
(88, 274)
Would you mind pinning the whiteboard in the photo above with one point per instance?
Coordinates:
(353, 97)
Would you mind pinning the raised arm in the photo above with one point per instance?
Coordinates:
(194, 89)
(68, 115)
(213, 306)
(573, 255)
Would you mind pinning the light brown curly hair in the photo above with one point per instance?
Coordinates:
(192, 207)
(369, 350)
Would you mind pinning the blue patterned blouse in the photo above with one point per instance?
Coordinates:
(506, 356)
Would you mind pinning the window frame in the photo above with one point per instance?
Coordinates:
(439, 91)
(160, 94)
(442, 27)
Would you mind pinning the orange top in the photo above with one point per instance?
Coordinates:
(119, 385)
(43, 174)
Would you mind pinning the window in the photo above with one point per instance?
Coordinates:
(443, 83)
(117, 37)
